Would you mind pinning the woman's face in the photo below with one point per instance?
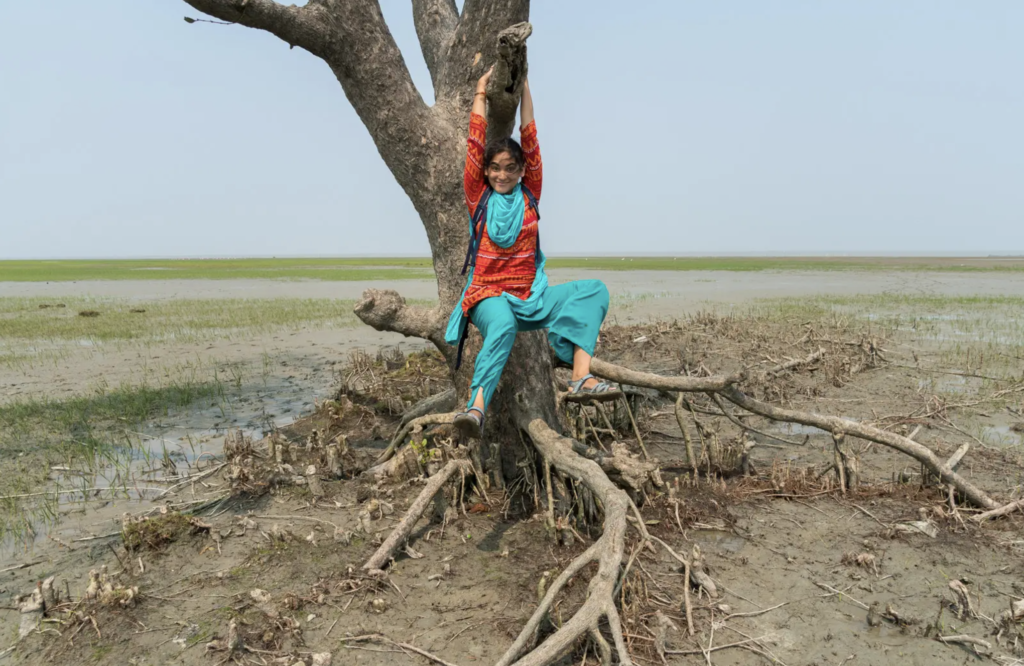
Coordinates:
(503, 173)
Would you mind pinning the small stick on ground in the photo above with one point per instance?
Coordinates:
(405, 646)
(840, 593)
(963, 639)
(1001, 511)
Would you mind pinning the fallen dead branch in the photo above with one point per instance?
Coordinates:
(724, 385)
(412, 516)
(970, 641)
(835, 424)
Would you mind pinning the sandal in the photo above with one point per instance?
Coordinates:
(600, 392)
(469, 424)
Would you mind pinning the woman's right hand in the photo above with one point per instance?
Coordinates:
(481, 85)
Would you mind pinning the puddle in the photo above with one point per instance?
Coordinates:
(1000, 435)
(133, 475)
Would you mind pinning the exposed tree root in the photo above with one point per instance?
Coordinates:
(837, 425)
(607, 551)
(724, 386)
(1001, 511)
(412, 516)
(440, 402)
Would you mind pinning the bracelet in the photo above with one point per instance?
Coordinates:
(480, 93)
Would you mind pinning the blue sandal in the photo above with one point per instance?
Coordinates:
(600, 392)
(469, 424)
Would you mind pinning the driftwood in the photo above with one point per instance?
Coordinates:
(404, 528)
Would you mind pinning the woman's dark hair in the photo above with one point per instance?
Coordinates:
(498, 146)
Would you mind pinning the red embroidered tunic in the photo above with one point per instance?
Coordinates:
(502, 269)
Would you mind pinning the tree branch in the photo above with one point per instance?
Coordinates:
(617, 373)
(435, 22)
(506, 85)
(475, 43)
(386, 310)
(304, 27)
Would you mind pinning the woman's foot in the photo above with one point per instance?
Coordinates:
(588, 389)
(470, 422)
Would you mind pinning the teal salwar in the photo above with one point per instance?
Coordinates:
(572, 312)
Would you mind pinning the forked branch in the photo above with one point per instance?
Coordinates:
(304, 27)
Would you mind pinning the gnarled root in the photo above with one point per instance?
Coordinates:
(606, 551)
(834, 424)
(725, 386)
(623, 467)
(412, 516)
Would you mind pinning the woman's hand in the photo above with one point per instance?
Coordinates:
(480, 98)
(481, 85)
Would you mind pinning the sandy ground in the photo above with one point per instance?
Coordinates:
(769, 553)
(636, 296)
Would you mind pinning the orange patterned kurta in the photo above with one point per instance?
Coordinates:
(502, 269)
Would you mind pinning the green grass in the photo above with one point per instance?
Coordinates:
(217, 269)
(411, 268)
(982, 336)
(31, 320)
(90, 437)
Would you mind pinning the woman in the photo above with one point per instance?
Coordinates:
(507, 290)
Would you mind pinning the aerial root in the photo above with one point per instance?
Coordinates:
(607, 552)
(725, 386)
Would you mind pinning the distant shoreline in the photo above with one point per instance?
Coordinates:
(366, 269)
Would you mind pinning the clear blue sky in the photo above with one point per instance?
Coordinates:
(666, 127)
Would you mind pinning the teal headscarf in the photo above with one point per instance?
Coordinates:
(505, 214)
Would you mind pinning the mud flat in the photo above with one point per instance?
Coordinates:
(806, 573)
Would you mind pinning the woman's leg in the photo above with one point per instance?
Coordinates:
(573, 313)
(497, 324)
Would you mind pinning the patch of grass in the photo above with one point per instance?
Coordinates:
(979, 337)
(87, 438)
(340, 269)
(158, 532)
(23, 423)
(27, 321)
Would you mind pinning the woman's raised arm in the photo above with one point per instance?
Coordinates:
(533, 170)
(526, 106)
(473, 181)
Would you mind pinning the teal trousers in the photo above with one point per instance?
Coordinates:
(572, 312)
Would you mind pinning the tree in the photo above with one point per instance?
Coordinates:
(423, 146)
